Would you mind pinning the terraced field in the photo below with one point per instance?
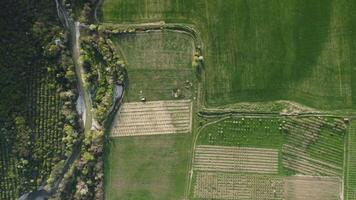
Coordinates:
(296, 50)
(153, 118)
(313, 188)
(215, 185)
(235, 159)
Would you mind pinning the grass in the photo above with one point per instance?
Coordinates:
(147, 167)
(244, 132)
(158, 62)
(350, 175)
(264, 50)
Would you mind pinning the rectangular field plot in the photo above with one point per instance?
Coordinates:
(312, 188)
(212, 185)
(147, 168)
(235, 159)
(295, 159)
(264, 50)
(154, 117)
(315, 145)
(158, 62)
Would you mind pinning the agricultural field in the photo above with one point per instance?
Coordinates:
(147, 167)
(293, 149)
(244, 132)
(235, 159)
(159, 65)
(263, 50)
(153, 118)
(280, 56)
(217, 185)
(24, 168)
(315, 145)
(313, 188)
(350, 179)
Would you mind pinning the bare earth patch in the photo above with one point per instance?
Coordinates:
(312, 188)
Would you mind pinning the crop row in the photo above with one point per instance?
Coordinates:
(316, 137)
(295, 159)
(150, 118)
(28, 157)
(8, 183)
(235, 159)
(215, 185)
(351, 164)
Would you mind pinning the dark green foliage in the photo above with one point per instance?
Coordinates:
(33, 64)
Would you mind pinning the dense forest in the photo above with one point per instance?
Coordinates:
(40, 129)
(37, 88)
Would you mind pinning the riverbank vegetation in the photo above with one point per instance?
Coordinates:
(104, 72)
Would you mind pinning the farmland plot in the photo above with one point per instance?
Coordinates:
(255, 50)
(350, 190)
(235, 159)
(147, 167)
(154, 117)
(158, 62)
(312, 188)
(244, 132)
(300, 162)
(215, 185)
(315, 145)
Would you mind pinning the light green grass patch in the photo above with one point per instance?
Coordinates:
(147, 167)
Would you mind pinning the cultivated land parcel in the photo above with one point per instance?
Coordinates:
(254, 51)
(264, 50)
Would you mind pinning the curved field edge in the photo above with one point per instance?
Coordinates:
(300, 63)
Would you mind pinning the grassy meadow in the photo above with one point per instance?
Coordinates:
(147, 167)
(264, 50)
(157, 63)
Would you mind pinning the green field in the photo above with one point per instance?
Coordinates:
(315, 138)
(244, 132)
(147, 167)
(350, 179)
(157, 63)
(264, 50)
